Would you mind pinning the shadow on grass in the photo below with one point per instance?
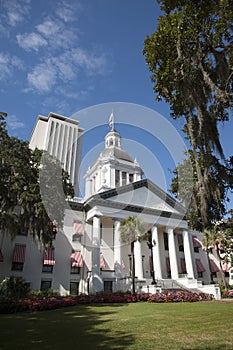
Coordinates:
(80, 327)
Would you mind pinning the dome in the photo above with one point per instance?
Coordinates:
(117, 153)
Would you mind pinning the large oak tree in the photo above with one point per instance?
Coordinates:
(190, 56)
(33, 188)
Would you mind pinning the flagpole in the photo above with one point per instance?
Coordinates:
(112, 120)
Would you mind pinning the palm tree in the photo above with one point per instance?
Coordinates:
(218, 238)
(131, 230)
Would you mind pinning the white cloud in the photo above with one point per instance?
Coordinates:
(64, 68)
(31, 41)
(14, 123)
(66, 11)
(42, 78)
(92, 63)
(16, 11)
(48, 28)
(8, 64)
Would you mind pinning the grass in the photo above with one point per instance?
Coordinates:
(205, 325)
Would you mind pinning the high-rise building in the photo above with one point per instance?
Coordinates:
(62, 138)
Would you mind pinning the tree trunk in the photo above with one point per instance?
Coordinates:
(221, 271)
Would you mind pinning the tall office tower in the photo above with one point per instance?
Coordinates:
(62, 138)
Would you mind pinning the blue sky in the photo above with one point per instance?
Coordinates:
(65, 56)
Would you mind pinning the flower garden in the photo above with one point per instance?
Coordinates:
(30, 304)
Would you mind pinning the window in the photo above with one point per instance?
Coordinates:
(45, 285)
(196, 244)
(17, 266)
(165, 240)
(75, 270)
(22, 233)
(18, 257)
(101, 233)
(108, 286)
(74, 286)
(130, 178)
(117, 178)
(123, 178)
(180, 242)
(47, 268)
(48, 260)
(76, 237)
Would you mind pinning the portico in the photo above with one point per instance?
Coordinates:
(115, 190)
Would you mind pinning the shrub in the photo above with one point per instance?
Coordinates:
(42, 294)
(14, 288)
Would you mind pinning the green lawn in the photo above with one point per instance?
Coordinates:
(206, 325)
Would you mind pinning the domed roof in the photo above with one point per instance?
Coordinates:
(117, 153)
(111, 132)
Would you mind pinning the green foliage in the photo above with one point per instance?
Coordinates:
(190, 56)
(23, 175)
(14, 288)
(42, 294)
(132, 228)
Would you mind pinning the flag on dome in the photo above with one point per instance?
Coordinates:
(111, 121)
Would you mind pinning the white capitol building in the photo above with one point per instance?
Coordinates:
(88, 255)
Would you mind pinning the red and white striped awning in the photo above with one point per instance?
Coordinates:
(196, 242)
(48, 257)
(199, 266)
(213, 266)
(77, 260)
(102, 263)
(78, 227)
(19, 253)
(1, 256)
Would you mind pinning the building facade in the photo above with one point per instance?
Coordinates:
(88, 255)
(62, 138)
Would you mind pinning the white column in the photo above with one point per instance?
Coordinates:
(127, 178)
(117, 248)
(96, 283)
(120, 178)
(138, 260)
(96, 246)
(156, 253)
(172, 254)
(188, 254)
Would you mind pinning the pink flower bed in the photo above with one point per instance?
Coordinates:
(30, 304)
(229, 293)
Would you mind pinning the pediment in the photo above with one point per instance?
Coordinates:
(143, 194)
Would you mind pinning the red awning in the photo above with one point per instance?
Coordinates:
(196, 242)
(19, 253)
(78, 227)
(77, 260)
(180, 239)
(168, 264)
(183, 265)
(225, 267)
(102, 263)
(213, 266)
(1, 256)
(200, 267)
(48, 257)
